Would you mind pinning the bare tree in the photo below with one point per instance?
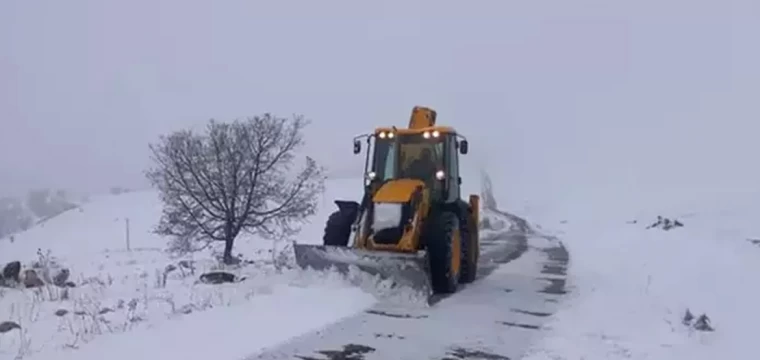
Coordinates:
(234, 177)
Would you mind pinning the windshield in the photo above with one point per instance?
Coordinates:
(416, 158)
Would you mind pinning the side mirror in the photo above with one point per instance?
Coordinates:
(357, 146)
(463, 147)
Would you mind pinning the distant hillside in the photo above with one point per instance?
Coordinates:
(21, 213)
(84, 234)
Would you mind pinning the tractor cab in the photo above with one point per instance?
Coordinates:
(422, 152)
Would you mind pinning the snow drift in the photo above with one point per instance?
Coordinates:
(634, 279)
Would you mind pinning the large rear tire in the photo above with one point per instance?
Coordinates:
(337, 229)
(444, 252)
(469, 252)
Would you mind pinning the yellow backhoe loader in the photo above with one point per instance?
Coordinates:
(412, 224)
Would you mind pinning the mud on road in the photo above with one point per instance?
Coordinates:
(522, 277)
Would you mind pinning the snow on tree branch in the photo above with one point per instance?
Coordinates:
(236, 176)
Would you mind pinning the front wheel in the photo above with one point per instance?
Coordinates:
(444, 247)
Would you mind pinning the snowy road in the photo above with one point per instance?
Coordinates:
(496, 317)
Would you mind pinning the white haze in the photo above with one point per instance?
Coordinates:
(564, 94)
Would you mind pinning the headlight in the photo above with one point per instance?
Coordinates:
(440, 175)
(382, 135)
(428, 134)
(371, 175)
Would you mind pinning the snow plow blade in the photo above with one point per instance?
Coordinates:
(408, 270)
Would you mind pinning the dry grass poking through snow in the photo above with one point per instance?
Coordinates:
(123, 290)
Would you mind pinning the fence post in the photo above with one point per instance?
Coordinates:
(126, 221)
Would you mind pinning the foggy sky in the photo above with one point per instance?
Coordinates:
(563, 94)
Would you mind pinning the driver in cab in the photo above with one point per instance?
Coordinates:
(423, 167)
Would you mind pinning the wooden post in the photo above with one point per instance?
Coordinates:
(126, 221)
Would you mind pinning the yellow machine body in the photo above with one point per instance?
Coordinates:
(400, 191)
(415, 194)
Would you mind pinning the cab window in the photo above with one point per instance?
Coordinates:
(385, 159)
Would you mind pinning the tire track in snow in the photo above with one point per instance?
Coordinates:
(521, 280)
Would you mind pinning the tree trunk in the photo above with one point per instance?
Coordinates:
(229, 241)
(228, 251)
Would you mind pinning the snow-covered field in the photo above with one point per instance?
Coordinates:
(631, 286)
(120, 286)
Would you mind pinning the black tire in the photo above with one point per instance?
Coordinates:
(337, 229)
(439, 240)
(469, 266)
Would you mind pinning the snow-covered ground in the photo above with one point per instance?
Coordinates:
(122, 286)
(631, 286)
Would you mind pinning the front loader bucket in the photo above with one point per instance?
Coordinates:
(404, 269)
